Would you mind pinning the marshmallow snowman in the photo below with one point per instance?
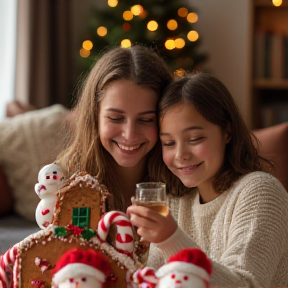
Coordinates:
(50, 179)
(190, 268)
(81, 269)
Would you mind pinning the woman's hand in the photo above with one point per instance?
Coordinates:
(152, 226)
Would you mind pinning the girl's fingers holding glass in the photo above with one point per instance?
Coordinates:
(144, 212)
(133, 200)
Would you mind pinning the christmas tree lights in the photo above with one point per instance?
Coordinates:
(167, 26)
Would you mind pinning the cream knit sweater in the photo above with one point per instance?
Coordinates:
(244, 232)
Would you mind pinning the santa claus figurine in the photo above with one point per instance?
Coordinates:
(189, 268)
(81, 269)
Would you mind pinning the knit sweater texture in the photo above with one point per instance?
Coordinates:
(244, 232)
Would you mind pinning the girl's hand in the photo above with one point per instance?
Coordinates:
(152, 226)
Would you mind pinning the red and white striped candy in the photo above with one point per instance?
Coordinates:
(124, 237)
(7, 261)
(145, 277)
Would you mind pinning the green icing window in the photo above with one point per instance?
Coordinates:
(80, 217)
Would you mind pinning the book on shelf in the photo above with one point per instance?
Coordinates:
(270, 55)
(273, 114)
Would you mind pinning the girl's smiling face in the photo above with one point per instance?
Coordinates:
(127, 122)
(193, 148)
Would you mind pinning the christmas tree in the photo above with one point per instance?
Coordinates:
(165, 25)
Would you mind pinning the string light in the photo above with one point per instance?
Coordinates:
(170, 44)
(152, 25)
(179, 43)
(126, 26)
(84, 53)
(137, 9)
(102, 31)
(277, 3)
(193, 36)
(87, 45)
(112, 3)
(127, 15)
(172, 24)
(192, 17)
(126, 43)
(182, 12)
(143, 14)
(179, 72)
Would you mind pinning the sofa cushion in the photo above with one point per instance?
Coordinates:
(274, 143)
(28, 142)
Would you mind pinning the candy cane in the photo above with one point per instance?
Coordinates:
(7, 261)
(124, 237)
(145, 277)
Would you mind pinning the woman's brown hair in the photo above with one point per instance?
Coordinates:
(85, 152)
(215, 103)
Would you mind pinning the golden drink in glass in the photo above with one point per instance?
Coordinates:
(153, 196)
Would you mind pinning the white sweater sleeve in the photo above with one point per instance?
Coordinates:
(257, 239)
(176, 242)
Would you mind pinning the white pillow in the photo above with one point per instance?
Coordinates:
(28, 142)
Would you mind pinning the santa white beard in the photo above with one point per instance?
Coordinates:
(81, 282)
(180, 280)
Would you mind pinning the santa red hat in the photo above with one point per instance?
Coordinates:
(77, 262)
(190, 261)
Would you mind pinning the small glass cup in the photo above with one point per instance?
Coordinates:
(152, 195)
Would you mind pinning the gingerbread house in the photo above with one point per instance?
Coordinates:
(77, 221)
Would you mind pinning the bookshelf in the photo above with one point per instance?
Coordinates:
(270, 63)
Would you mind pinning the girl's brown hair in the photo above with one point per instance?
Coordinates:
(214, 102)
(85, 152)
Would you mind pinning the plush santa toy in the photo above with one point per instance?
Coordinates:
(81, 269)
(190, 268)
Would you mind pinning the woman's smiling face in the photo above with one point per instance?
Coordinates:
(193, 148)
(127, 122)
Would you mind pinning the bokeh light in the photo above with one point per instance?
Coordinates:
(277, 3)
(192, 17)
(102, 31)
(143, 14)
(179, 43)
(193, 36)
(182, 12)
(179, 72)
(87, 45)
(172, 24)
(170, 44)
(126, 26)
(127, 15)
(152, 25)
(136, 9)
(112, 3)
(126, 43)
(84, 53)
